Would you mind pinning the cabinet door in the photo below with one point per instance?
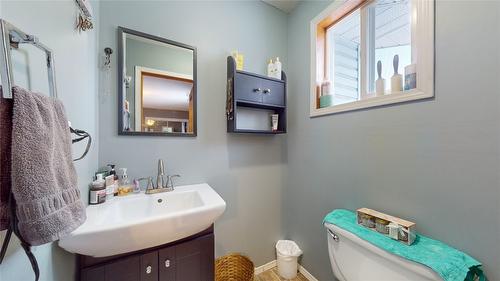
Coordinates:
(166, 263)
(247, 88)
(195, 259)
(273, 92)
(135, 268)
(92, 274)
(149, 266)
(207, 245)
(189, 261)
(126, 269)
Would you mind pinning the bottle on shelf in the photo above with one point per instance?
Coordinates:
(270, 68)
(277, 68)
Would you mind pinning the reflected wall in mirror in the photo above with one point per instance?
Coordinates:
(157, 83)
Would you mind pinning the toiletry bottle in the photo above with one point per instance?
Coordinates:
(274, 122)
(97, 193)
(110, 187)
(124, 186)
(326, 87)
(115, 177)
(270, 68)
(277, 68)
(410, 77)
(113, 172)
(240, 61)
(238, 58)
(137, 186)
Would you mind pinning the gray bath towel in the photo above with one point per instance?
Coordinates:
(5, 163)
(44, 180)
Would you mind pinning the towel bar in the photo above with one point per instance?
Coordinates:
(11, 37)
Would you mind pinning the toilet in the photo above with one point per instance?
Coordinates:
(354, 259)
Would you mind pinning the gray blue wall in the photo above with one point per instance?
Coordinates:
(435, 162)
(245, 170)
(77, 85)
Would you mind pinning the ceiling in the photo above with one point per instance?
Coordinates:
(285, 5)
(162, 93)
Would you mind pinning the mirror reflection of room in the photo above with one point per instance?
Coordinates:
(159, 86)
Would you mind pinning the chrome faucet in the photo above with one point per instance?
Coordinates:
(161, 173)
(161, 184)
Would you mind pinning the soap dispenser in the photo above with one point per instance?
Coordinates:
(124, 187)
(112, 171)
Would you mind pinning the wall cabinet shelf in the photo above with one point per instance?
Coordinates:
(251, 99)
(188, 259)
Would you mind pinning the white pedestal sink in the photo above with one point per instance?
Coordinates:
(141, 221)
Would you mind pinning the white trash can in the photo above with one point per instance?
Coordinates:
(287, 252)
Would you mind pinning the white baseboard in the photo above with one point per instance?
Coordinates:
(306, 274)
(272, 264)
(265, 267)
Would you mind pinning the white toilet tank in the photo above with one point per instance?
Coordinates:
(354, 259)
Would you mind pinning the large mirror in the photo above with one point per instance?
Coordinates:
(157, 84)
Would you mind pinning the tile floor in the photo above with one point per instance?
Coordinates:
(272, 275)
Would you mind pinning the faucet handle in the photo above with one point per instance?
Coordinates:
(150, 182)
(170, 182)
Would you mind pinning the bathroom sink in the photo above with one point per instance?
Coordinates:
(141, 221)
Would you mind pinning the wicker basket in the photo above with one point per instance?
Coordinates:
(234, 267)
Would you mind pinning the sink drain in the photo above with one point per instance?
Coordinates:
(160, 200)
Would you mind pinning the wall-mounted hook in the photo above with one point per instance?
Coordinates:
(108, 51)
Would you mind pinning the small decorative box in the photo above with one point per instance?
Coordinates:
(385, 224)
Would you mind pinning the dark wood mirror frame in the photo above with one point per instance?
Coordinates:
(121, 94)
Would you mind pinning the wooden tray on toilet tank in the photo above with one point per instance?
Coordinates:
(408, 226)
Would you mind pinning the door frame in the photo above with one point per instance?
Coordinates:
(139, 73)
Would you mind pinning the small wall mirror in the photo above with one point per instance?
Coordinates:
(157, 85)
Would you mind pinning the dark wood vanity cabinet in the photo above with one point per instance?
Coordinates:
(184, 260)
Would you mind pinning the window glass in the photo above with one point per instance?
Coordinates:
(390, 23)
(343, 58)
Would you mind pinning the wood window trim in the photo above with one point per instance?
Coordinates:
(422, 49)
(328, 21)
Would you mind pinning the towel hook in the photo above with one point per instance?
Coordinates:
(108, 51)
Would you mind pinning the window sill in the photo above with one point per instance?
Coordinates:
(372, 101)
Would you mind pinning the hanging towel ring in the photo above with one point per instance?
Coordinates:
(81, 136)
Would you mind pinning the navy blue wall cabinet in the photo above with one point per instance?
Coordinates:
(252, 99)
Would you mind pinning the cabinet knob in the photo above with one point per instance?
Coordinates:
(149, 269)
(167, 263)
(257, 90)
(267, 91)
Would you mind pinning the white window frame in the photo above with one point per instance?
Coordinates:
(422, 49)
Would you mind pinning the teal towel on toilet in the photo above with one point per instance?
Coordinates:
(451, 264)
